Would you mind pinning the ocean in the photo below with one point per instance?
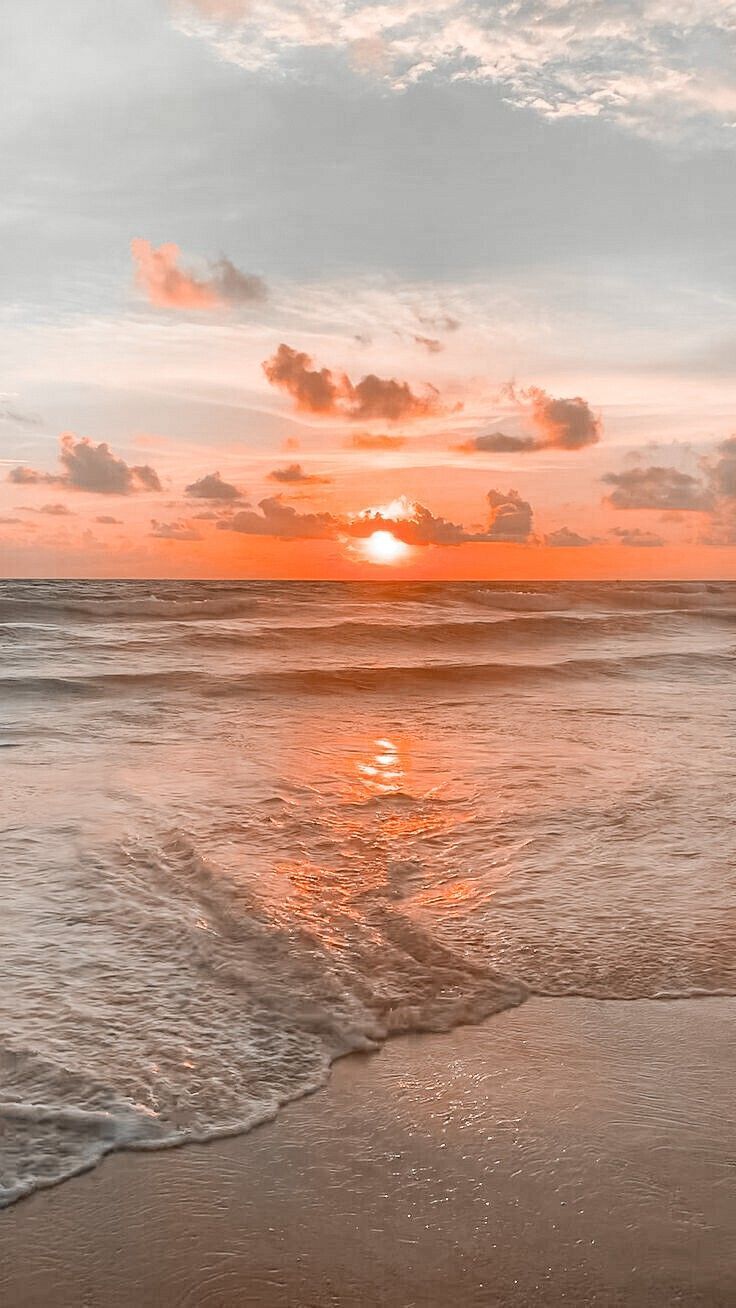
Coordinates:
(249, 828)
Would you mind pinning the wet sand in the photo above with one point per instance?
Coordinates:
(567, 1152)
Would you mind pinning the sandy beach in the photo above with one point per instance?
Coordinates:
(566, 1152)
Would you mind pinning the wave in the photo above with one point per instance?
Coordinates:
(150, 608)
(391, 677)
(356, 634)
(82, 602)
(270, 1006)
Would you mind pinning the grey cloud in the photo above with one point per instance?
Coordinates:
(294, 475)
(497, 442)
(511, 517)
(212, 487)
(281, 520)
(566, 539)
(658, 487)
(90, 467)
(173, 531)
(635, 537)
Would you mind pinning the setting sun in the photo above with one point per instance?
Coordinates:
(384, 547)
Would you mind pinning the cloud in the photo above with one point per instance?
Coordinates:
(366, 440)
(56, 510)
(8, 413)
(281, 520)
(238, 287)
(496, 442)
(212, 487)
(509, 521)
(566, 539)
(639, 539)
(374, 397)
(90, 467)
(294, 475)
(439, 322)
(563, 424)
(722, 470)
(511, 517)
(408, 521)
(653, 68)
(173, 531)
(319, 390)
(658, 487)
(168, 286)
(431, 345)
(107, 520)
(313, 390)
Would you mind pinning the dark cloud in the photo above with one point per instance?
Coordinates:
(635, 537)
(410, 522)
(722, 470)
(56, 511)
(173, 531)
(511, 517)
(417, 525)
(238, 287)
(430, 343)
(313, 390)
(563, 424)
(658, 487)
(90, 467)
(294, 475)
(22, 476)
(212, 487)
(319, 390)
(281, 520)
(497, 442)
(565, 538)
(376, 397)
(107, 521)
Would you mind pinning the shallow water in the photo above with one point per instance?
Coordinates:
(252, 827)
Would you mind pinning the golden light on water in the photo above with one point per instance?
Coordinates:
(383, 547)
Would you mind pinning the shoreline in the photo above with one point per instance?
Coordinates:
(568, 1151)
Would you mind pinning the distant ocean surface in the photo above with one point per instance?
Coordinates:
(248, 828)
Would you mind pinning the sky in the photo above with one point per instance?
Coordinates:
(344, 289)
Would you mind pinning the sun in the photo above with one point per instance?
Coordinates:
(384, 547)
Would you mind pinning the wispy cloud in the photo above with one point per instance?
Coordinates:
(656, 69)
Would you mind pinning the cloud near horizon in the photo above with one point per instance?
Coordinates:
(90, 467)
(635, 537)
(510, 521)
(167, 286)
(319, 390)
(564, 538)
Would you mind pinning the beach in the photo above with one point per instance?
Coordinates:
(565, 1152)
